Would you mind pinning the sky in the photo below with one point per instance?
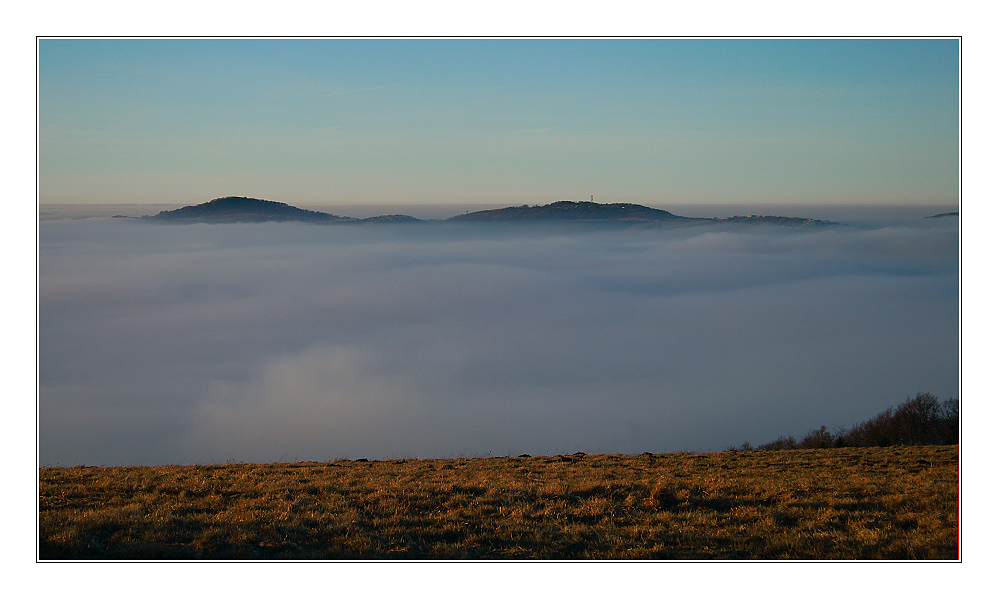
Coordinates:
(499, 121)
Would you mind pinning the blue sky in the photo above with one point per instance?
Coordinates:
(321, 122)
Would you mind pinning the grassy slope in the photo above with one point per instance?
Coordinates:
(865, 503)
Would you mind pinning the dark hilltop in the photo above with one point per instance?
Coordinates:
(235, 209)
(242, 210)
(249, 210)
(576, 212)
(626, 214)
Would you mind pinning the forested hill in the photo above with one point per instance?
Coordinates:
(633, 214)
(238, 209)
(575, 211)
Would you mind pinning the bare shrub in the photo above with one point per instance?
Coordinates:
(785, 442)
(817, 439)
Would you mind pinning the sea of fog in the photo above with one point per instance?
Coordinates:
(276, 342)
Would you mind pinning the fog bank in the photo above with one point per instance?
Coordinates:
(213, 343)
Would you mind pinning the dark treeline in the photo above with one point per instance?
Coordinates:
(922, 420)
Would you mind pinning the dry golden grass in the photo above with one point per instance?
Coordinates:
(850, 503)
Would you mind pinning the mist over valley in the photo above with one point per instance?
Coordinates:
(280, 341)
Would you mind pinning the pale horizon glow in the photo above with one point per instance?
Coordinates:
(500, 122)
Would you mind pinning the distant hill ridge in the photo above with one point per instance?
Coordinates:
(241, 209)
(574, 211)
(237, 209)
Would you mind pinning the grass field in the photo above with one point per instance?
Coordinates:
(817, 504)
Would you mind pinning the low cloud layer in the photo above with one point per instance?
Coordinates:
(214, 343)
